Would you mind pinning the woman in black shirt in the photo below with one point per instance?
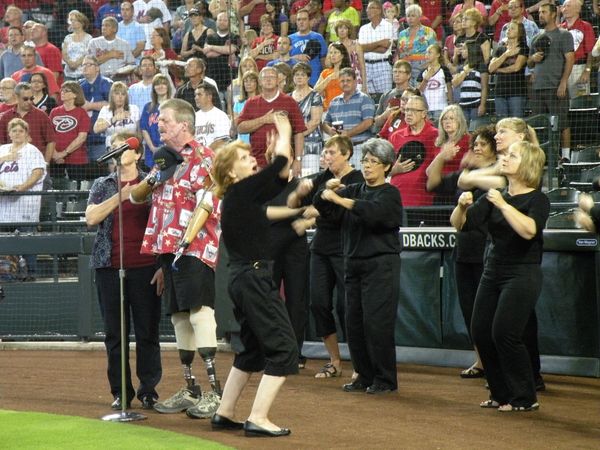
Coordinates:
(512, 278)
(370, 213)
(265, 329)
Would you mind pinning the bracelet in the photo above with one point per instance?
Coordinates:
(298, 158)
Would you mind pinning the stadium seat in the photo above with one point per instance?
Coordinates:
(563, 195)
(561, 220)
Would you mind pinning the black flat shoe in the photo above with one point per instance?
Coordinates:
(116, 404)
(355, 386)
(376, 389)
(223, 423)
(148, 402)
(253, 430)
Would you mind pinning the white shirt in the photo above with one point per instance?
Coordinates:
(140, 94)
(25, 208)
(130, 124)
(211, 126)
(367, 35)
(140, 8)
(100, 45)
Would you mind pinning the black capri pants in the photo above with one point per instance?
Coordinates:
(265, 329)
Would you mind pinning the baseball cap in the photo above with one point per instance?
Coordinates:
(413, 150)
(166, 159)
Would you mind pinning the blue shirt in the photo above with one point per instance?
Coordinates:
(360, 107)
(149, 123)
(132, 33)
(299, 44)
(95, 92)
(140, 94)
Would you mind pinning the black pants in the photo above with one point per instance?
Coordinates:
(265, 329)
(372, 291)
(291, 267)
(143, 305)
(327, 273)
(468, 276)
(504, 305)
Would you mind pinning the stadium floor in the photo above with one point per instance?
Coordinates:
(434, 408)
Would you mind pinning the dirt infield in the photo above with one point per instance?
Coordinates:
(433, 409)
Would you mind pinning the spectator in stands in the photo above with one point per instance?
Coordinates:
(499, 16)
(234, 90)
(408, 172)
(389, 103)
(263, 47)
(450, 44)
(71, 126)
(74, 47)
(257, 119)
(39, 88)
(435, 83)
(230, 7)
(328, 85)
(326, 256)
(281, 23)
(435, 11)
(284, 77)
(96, 89)
(162, 91)
(371, 215)
(583, 44)
(13, 17)
(110, 8)
(212, 124)
(192, 45)
(391, 12)
(220, 50)
(143, 285)
(473, 81)
(61, 18)
(468, 4)
(453, 135)
(27, 27)
(342, 10)
(511, 281)
(41, 129)
(284, 46)
(472, 38)
(112, 52)
(119, 115)
(140, 92)
(296, 6)
(181, 23)
(162, 53)
(508, 63)
(355, 110)
(552, 57)
(131, 31)
(195, 73)
(10, 60)
(395, 119)
(249, 88)
(254, 10)
(516, 10)
(377, 38)
(343, 29)
(28, 58)
(470, 245)
(151, 14)
(311, 106)
(308, 46)
(50, 54)
(8, 98)
(414, 41)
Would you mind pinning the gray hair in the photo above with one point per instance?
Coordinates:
(380, 149)
(463, 128)
(22, 86)
(414, 9)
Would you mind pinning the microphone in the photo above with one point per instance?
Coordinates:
(130, 143)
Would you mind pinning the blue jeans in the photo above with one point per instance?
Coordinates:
(509, 106)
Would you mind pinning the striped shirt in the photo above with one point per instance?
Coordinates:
(358, 108)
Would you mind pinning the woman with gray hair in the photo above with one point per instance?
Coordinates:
(370, 213)
(414, 40)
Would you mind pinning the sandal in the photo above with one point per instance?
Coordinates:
(328, 371)
(472, 372)
(491, 404)
(511, 408)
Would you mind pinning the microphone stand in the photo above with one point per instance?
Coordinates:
(124, 415)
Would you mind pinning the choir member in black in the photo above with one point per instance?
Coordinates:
(326, 258)
(587, 216)
(371, 213)
(266, 333)
(470, 245)
(512, 279)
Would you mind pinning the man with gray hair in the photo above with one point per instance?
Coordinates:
(112, 52)
(189, 290)
(8, 98)
(50, 54)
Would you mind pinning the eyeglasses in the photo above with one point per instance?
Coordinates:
(413, 110)
(27, 99)
(369, 162)
(88, 64)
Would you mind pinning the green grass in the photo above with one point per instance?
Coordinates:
(36, 431)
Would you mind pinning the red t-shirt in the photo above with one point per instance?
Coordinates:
(256, 107)
(254, 16)
(583, 39)
(67, 125)
(173, 204)
(41, 130)
(412, 185)
(267, 49)
(51, 56)
(391, 125)
(5, 107)
(25, 75)
(454, 164)
(502, 20)
(299, 4)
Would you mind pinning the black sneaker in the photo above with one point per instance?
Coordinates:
(148, 401)
(116, 404)
(377, 388)
(356, 386)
